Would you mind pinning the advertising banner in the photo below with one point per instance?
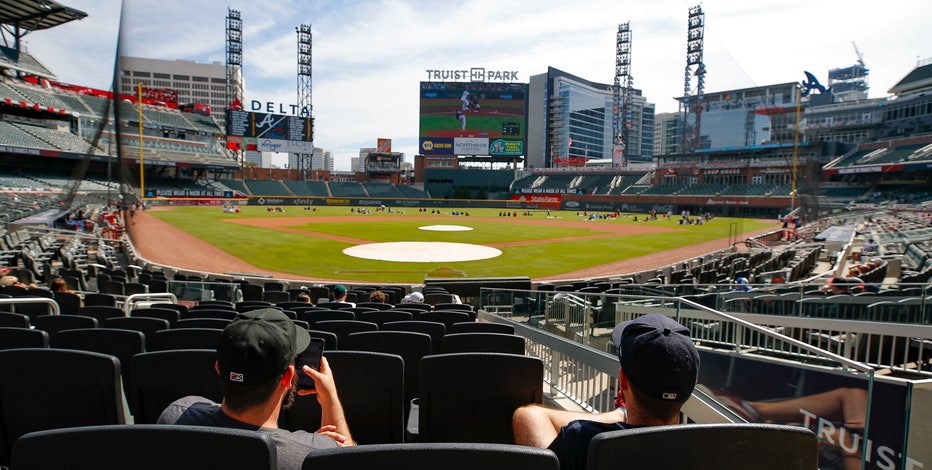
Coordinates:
(436, 146)
(470, 146)
(832, 404)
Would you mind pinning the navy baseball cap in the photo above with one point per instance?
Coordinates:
(259, 345)
(658, 356)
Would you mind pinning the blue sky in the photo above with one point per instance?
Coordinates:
(370, 55)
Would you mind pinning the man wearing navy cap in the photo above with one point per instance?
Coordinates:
(659, 369)
(255, 360)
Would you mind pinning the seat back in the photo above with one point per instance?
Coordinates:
(343, 328)
(276, 296)
(331, 341)
(436, 330)
(375, 305)
(431, 456)
(14, 320)
(452, 412)
(99, 298)
(314, 316)
(481, 327)
(185, 338)
(447, 317)
(482, 342)
(180, 308)
(380, 317)
(68, 302)
(56, 388)
(161, 377)
(18, 338)
(371, 387)
(112, 447)
(123, 344)
(101, 312)
(707, 446)
(168, 314)
(52, 324)
(409, 345)
(215, 323)
(146, 325)
(216, 313)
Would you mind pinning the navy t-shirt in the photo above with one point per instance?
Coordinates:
(572, 443)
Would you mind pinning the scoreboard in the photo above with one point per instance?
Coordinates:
(270, 126)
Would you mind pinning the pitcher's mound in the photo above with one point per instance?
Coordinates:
(422, 252)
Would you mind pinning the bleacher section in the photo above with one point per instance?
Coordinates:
(347, 189)
(267, 188)
(383, 190)
(236, 185)
(308, 188)
(10, 58)
(410, 192)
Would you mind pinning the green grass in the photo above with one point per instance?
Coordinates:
(305, 254)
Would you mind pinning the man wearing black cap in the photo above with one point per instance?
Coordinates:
(255, 360)
(659, 369)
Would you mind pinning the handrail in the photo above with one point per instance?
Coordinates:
(56, 310)
(130, 300)
(861, 367)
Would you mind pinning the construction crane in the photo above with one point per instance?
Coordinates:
(858, 53)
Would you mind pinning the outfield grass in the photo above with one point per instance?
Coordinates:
(305, 254)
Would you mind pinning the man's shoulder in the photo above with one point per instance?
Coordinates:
(187, 407)
(588, 429)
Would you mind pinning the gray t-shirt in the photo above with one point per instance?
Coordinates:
(292, 446)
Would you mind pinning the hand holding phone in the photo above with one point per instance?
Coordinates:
(309, 357)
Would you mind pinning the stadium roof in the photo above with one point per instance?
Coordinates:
(33, 15)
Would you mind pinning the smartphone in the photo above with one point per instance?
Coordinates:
(310, 357)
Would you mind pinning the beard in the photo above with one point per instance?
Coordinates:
(290, 394)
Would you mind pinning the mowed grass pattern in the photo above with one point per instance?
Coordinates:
(541, 250)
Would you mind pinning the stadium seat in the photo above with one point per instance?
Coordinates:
(450, 412)
(113, 447)
(431, 456)
(708, 447)
(371, 390)
(161, 377)
(34, 399)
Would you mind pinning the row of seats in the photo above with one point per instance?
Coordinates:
(371, 388)
(700, 446)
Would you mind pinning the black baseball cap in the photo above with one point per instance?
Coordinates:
(258, 345)
(658, 356)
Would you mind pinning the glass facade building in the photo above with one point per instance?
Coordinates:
(570, 121)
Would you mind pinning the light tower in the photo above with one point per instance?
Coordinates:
(621, 98)
(303, 160)
(691, 106)
(234, 66)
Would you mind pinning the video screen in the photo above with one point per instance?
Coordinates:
(473, 118)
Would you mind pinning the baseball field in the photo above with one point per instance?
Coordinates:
(405, 246)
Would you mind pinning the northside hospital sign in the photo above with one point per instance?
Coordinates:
(474, 74)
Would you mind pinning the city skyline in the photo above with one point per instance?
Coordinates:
(369, 56)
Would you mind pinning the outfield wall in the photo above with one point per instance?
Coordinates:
(721, 206)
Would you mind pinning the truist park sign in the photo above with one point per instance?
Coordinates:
(474, 74)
